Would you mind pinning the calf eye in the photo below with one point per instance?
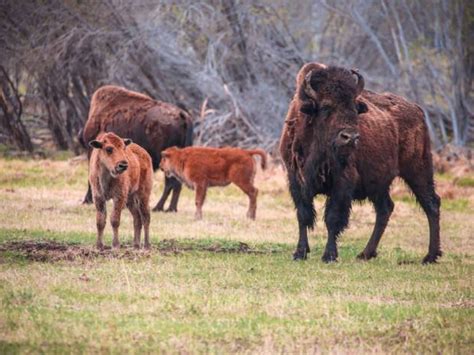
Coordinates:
(109, 150)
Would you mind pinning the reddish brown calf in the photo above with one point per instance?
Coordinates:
(122, 171)
(200, 168)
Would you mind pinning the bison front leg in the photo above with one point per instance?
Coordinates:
(201, 190)
(336, 217)
(115, 221)
(306, 216)
(101, 220)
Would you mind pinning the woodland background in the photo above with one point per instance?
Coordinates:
(230, 63)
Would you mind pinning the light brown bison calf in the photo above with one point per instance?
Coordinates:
(200, 168)
(122, 171)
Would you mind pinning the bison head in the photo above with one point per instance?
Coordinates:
(327, 97)
(111, 152)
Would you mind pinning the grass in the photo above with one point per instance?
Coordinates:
(223, 284)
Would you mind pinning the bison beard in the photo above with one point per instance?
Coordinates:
(349, 144)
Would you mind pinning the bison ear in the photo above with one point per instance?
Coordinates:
(309, 108)
(127, 141)
(95, 144)
(361, 107)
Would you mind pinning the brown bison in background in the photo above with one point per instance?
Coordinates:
(349, 144)
(152, 124)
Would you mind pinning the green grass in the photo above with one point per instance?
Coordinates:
(224, 284)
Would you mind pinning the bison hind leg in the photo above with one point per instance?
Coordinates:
(383, 205)
(422, 186)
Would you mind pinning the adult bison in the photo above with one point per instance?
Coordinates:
(349, 144)
(152, 124)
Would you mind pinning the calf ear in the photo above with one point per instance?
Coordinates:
(127, 141)
(361, 107)
(95, 144)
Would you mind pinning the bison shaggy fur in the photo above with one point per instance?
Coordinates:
(349, 144)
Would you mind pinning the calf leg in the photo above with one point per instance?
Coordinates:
(101, 220)
(88, 197)
(145, 218)
(166, 192)
(252, 193)
(200, 197)
(115, 221)
(336, 217)
(383, 208)
(423, 188)
(137, 223)
(177, 186)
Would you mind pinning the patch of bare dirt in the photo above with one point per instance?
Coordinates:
(52, 251)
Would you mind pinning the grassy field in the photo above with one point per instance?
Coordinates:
(224, 284)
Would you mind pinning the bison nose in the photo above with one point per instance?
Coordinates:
(347, 137)
(121, 166)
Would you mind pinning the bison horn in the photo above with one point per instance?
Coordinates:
(360, 81)
(308, 88)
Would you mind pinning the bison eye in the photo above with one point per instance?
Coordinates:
(325, 110)
(109, 150)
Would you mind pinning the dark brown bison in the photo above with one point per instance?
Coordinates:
(152, 124)
(349, 144)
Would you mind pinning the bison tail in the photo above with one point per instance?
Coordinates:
(262, 154)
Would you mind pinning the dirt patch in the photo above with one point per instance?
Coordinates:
(52, 251)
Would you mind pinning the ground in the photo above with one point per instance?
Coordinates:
(225, 284)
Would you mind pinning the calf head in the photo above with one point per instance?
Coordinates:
(112, 152)
(328, 98)
(168, 162)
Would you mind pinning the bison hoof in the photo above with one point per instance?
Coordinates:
(300, 255)
(147, 246)
(172, 210)
(100, 246)
(157, 209)
(136, 246)
(329, 257)
(432, 258)
(367, 256)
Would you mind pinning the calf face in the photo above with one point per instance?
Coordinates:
(112, 153)
(168, 161)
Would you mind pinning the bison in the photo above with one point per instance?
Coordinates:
(152, 124)
(349, 144)
(202, 167)
(122, 171)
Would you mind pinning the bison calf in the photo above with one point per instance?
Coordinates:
(122, 171)
(200, 168)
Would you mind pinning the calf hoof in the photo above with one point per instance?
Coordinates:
(367, 256)
(329, 257)
(300, 255)
(432, 258)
